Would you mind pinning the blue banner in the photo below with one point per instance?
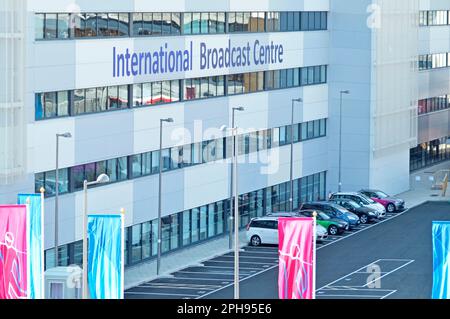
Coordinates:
(441, 260)
(105, 249)
(35, 244)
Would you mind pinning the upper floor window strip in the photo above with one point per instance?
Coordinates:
(52, 26)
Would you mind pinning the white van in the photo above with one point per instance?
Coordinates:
(264, 230)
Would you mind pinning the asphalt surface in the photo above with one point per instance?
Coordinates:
(388, 259)
(400, 246)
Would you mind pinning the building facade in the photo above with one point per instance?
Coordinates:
(108, 72)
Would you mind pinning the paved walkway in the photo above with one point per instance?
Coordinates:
(420, 192)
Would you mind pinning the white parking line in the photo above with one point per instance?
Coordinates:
(206, 273)
(240, 257)
(177, 287)
(389, 272)
(393, 292)
(232, 267)
(240, 262)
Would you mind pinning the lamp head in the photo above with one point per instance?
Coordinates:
(102, 178)
(298, 100)
(345, 92)
(168, 120)
(223, 128)
(65, 135)
(240, 108)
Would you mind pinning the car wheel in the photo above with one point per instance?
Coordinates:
(255, 241)
(333, 230)
(363, 219)
(390, 208)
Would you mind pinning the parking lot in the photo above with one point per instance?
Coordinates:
(217, 274)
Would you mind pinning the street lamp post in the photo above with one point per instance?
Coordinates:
(340, 138)
(64, 135)
(291, 184)
(233, 142)
(158, 261)
(101, 179)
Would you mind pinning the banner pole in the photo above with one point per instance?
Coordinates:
(314, 256)
(28, 230)
(42, 190)
(122, 292)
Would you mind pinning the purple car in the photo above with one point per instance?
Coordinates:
(391, 203)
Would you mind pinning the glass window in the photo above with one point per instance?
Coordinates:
(136, 243)
(146, 239)
(186, 229)
(221, 22)
(111, 169)
(166, 159)
(156, 93)
(283, 21)
(136, 165)
(39, 19)
(113, 97)
(165, 236)
(203, 222)
(153, 237)
(204, 22)
(90, 100)
(51, 23)
(123, 96)
(147, 24)
(137, 94)
(187, 25)
(63, 26)
(50, 104)
(155, 162)
(310, 129)
(63, 103)
(78, 25)
(196, 23)
(174, 232)
(311, 75)
(137, 24)
(304, 133)
(91, 25)
(246, 22)
(124, 24)
(165, 92)
(102, 24)
(195, 224)
(122, 168)
(102, 98)
(166, 23)
(176, 23)
(78, 102)
(147, 163)
(323, 21)
(113, 24)
(146, 94)
(323, 127)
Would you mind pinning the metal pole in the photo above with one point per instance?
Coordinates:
(291, 186)
(42, 190)
(56, 201)
(314, 256)
(340, 142)
(122, 279)
(158, 261)
(236, 223)
(85, 253)
(230, 239)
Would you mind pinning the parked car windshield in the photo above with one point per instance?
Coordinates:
(324, 216)
(366, 200)
(381, 194)
(353, 204)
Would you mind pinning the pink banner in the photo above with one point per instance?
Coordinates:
(13, 252)
(296, 254)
